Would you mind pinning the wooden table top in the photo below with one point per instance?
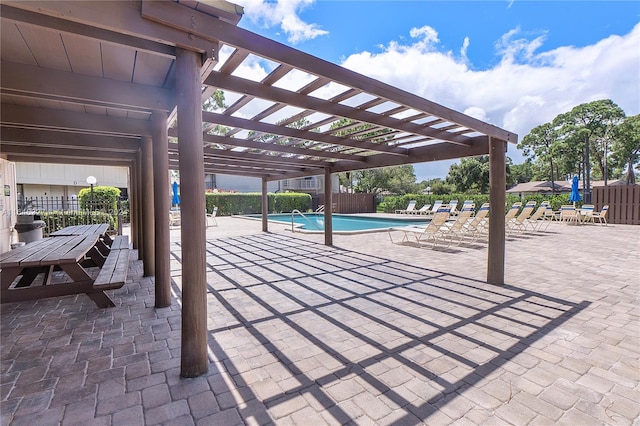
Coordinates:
(98, 228)
(50, 251)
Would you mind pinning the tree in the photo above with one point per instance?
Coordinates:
(521, 173)
(626, 146)
(395, 179)
(471, 175)
(592, 123)
(539, 144)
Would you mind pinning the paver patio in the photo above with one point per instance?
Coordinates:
(364, 332)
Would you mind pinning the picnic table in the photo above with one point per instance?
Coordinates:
(96, 228)
(101, 229)
(73, 254)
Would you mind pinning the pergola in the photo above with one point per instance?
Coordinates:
(103, 82)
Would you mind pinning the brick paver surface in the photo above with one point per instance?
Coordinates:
(361, 332)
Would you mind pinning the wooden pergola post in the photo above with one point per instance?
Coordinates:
(133, 198)
(139, 196)
(265, 206)
(497, 199)
(328, 208)
(162, 205)
(192, 214)
(148, 256)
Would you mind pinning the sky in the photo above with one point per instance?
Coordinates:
(515, 64)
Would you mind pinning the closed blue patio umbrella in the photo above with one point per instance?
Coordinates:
(175, 200)
(575, 195)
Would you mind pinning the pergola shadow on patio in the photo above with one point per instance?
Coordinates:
(319, 335)
(123, 83)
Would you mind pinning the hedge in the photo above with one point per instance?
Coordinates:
(251, 203)
(56, 220)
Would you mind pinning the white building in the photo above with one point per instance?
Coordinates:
(58, 180)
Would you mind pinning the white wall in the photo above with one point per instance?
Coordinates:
(8, 203)
(70, 175)
(243, 184)
(251, 184)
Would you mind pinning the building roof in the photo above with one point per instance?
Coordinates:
(80, 81)
(560, 186)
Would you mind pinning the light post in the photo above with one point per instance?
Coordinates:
(91, 180)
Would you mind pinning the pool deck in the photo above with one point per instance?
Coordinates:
(362, 332)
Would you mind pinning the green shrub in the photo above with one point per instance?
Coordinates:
(251, 202)
(57, 219)
(105, 199)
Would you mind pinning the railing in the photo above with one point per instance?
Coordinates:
(58, 212)
(294, 212)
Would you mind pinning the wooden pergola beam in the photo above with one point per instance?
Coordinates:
(257, 126)
(30, 117)
(82, 89)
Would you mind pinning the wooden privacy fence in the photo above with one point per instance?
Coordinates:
(623, 201)
(351, 203)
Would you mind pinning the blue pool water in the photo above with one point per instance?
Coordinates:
(314, 222)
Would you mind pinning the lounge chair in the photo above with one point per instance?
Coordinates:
(537, 219)
(458, 228)
(478, 224)
(410, 208)
(211, 218)
(601, 215)
(454, 207)
(512, 212)
(436, 205)
(518, 223)
(422, 210)
(430, 232)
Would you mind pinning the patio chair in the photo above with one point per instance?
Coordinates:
(422, 210)
(211, 218)
(410, 207)
(518, 222)
(568, 214)
(430, 232)
(585, 213)
(601, 215)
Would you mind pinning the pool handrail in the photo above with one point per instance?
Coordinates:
(305, 218)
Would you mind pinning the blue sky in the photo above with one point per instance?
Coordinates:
(516, 64)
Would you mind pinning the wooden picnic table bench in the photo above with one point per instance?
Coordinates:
(113, 273)
(21, 267)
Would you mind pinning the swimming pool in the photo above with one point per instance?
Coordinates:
(314, 222)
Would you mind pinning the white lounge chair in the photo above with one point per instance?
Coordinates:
(410, 207)
(422, 210)
(436, 205)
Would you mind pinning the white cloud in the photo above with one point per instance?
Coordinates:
(283, 13)
(527, 86)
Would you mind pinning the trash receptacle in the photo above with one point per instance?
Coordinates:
(29, 231)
